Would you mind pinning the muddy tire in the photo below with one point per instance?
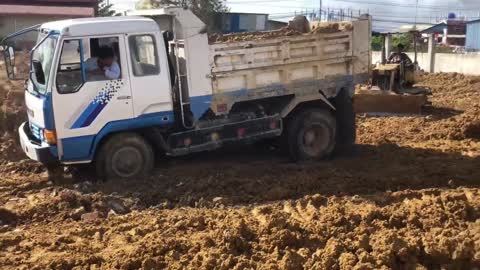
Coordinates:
(311, 134)
(125, 156)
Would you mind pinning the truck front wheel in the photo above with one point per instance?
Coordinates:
(311, 134)
(125, 156)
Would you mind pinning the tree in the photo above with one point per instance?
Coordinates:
(204, 9)
(377, 43)
(105, 9)
(405, 39)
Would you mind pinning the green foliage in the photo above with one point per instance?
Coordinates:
(377, 42)
(405, 39)
(105, 9)
(204, 9)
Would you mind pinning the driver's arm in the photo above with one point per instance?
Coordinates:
(406, 59)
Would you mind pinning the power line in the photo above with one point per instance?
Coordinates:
(433, 7)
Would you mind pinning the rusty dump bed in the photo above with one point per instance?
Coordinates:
(267, 64)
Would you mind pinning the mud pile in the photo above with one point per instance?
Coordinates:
(406, 197)
(12, 114)
(454, 115)
(333, 27)
(252, 36)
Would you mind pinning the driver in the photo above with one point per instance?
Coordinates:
(399, 56)
(104, 65)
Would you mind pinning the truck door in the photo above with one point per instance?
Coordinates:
(150, 78)
(91, 89)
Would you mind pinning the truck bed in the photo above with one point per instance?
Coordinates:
(289, 65)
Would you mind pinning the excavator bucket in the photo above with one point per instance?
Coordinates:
(391, 92)
(379, 101)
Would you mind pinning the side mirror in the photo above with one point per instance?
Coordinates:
(9, 57)
(11, 53)
(38, 71)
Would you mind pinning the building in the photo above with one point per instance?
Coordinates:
(449, 32)
(274, 25)
(230, 22)
(19, 14)
(473, 36)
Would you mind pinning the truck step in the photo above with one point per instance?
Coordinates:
(214, 137)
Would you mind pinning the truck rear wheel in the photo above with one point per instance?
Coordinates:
(311, 134)
(125, 156)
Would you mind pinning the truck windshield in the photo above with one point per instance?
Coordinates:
(43, 53)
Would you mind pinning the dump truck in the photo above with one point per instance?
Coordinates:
(177, 93)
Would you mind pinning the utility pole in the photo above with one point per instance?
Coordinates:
(416, 14)
(320, 10)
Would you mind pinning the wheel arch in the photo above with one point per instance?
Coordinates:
(303, 102)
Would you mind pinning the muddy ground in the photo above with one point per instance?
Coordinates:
(407, 197)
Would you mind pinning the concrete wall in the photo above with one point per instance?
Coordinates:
(444, 62)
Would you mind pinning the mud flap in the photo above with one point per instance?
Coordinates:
(345, 114)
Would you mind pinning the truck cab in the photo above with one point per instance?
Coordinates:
(70, 103)
(114, 91)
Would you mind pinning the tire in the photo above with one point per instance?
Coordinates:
(125, 156)
(311, 134)
(346, 120)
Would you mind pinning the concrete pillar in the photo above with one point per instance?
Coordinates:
(388, 45)
(445, 36)
(431, 53)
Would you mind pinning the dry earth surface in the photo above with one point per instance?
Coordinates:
(407, 197)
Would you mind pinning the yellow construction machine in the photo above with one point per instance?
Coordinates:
(392, 84)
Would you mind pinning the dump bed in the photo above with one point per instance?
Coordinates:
(292, 64)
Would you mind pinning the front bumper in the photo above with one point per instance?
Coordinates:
(33, 149)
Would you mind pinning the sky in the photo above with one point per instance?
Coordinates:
(387, 14)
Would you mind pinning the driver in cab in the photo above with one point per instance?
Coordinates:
(103, 67)
(399, 57)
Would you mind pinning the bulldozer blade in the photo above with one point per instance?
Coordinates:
(385, 102)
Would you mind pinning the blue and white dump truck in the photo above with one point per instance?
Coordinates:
(177, 94)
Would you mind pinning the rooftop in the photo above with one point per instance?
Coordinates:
(103, 25)
(69, 3)
(70, 11)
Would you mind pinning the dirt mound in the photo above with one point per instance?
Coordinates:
(285, 31)
(399, 230)
(12, 114)
(252, 36)
(325, 27)
(454, 114)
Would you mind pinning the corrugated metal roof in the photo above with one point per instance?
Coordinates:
(90, 3)
(46, 10)
(474, 21)
(435, 29)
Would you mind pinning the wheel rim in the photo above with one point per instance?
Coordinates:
(314, 140)
(127, 162)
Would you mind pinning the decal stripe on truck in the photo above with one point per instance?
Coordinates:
(99, 102)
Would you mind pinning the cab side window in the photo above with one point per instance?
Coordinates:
(69, 75)
(103, 62)
(144, 56)
(87, 60)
